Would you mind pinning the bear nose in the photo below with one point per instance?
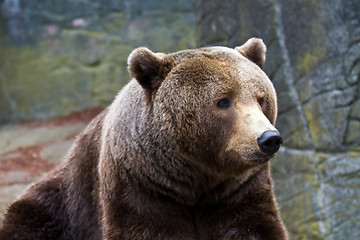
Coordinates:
(269, 142)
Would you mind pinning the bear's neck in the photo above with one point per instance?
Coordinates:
(152, 162)
(162, 170)
(193, 187)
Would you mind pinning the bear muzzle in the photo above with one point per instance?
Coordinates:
(269, 142)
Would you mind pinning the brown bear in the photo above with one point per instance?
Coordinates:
(182, 153)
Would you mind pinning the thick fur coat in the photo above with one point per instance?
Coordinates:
(175, 156)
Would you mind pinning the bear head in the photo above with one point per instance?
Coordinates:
(213, 108)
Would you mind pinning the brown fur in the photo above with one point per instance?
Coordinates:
(255, 50)
(164, 161)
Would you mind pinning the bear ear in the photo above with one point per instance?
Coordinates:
(148, 68)
(255, 50)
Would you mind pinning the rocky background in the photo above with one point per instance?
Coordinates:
(314, 61)
(61, 56)
(66, 55)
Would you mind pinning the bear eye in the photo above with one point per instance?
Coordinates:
(224, 103)
(261, 101)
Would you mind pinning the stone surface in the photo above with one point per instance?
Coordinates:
(59, 57)
(313, 60)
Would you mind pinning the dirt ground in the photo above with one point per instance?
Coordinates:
(28, 151)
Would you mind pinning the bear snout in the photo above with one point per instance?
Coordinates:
(269, 142)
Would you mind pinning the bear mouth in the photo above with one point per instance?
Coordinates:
(257, 157)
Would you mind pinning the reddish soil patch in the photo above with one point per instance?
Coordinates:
(28, 158)
(25, 158)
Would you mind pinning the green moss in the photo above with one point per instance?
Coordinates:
(57, 81)
(114, 22)
(313, 217)
(77, 67)
(316, 127)
(353, 155)
(311, 57)
(355, 109)
(315, 51)
(306, 89)
(353, 134)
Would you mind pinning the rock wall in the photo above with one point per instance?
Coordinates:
(314, 61)
(60, 56)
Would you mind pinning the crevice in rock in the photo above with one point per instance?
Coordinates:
(318, 95)
(355, 63)
(94, 64)
(349, 117)
(287, 66)
(286, 111)
(275, 70)
(354, 42)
